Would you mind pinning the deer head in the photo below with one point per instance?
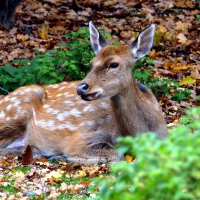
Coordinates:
(111, 67)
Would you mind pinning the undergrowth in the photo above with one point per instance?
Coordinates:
(72, 62)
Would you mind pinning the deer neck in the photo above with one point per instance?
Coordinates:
(127, 108)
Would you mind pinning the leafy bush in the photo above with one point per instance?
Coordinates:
(51, 67)
(74, 62)
(163, 169)
(160, 86)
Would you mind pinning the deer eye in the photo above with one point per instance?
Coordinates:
(114, 65)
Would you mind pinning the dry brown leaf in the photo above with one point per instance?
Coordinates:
(182, 38)
(42, 160)
(179, 67)
(195, 71)
(22, 37)
(181, 26)
(85, 183)
(184, 4)
(27, 157)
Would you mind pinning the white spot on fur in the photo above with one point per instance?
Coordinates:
(104, 105)
(27, 100)
(9, 107)
(55, 111)
(76, 113)
(61, 116)
(28, 90)
(81, 102)
(87, 123)
(73, 84)
(13, 99)
(8, 118)
(59, 95)
(2, 114)
(78, 98)
(17, 103)
(70, 127)
(7, 98)
(88, 108)
(49, 124)
(54, 86)
(62, 88)
(46, 106)
(69, 103)
(70, 95)
(49, 110)
(21, 93)
(66, 94)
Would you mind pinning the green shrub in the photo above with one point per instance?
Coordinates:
(51, 67)
(163, 169)
(160, 86)
(73, 61)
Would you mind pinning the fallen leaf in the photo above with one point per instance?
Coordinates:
(181, 38)
(80, 174)
(27, 156)
(187, 81)
(53, 175)
(162, 29)
(63, 186)
(42, 160)
(22, 37)
(85, 183)
(43, 32)
(19, 174)
(177, 68)
(195, 72)
(128, 158)
(181, 26)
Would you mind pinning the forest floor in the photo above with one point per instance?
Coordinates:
(40, 25)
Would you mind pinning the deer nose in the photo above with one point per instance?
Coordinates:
(82, 88)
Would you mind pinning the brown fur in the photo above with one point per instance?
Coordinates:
(134, 111)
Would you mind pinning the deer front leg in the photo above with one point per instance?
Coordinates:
(99, 147)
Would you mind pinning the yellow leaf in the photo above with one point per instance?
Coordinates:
(158, 37)
(43, 32)
(19, 175)
(187, 81)
(80, 174)
(128, 158)
(178, 67)
(53, 174)
(162, 29)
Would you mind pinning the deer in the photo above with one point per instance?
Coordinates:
(82, 119)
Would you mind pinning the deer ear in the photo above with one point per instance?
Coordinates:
(142, 45)
(96, 39)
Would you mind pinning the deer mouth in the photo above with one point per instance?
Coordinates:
(91, 96)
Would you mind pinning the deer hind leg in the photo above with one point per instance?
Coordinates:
(16, 110)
